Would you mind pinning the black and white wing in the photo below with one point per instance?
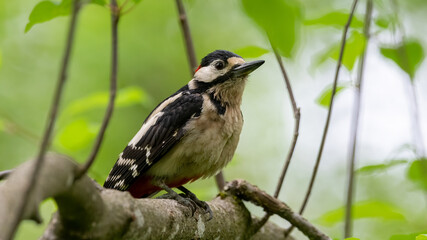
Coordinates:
(159, 133)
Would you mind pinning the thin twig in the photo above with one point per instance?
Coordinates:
(32, 180)
(191, 54)
(115, 15)
(248, 192)
(325, 130)
(355, 124)
(297, 117)
(4, 174)
(220, 180)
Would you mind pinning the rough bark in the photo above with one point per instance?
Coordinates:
(86, 211)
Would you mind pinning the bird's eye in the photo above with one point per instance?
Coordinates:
(219, 65)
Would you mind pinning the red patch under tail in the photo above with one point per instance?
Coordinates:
(143, 187)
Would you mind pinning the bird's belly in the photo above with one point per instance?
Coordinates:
(202, 152)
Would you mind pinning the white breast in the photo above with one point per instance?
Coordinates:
(207, 147)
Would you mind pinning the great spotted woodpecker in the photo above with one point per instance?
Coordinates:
(190, 135)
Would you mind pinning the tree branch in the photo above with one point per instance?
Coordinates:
(115, 15)
(355, 125)
(248, 192)
(86, 211)
(328, 118)
(32, 176)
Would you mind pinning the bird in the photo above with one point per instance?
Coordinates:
(190, 135)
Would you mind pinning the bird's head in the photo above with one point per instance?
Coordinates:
(223, 72)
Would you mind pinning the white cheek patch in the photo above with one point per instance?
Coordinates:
(207, 74)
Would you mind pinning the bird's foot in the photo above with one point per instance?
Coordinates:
(181, 199)
(202, 204)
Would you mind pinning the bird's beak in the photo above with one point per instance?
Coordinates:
(246, 68)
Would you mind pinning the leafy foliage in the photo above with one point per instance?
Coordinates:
(421, 237)
(324, 99)
(382, 22)
(410, 236)
(417, 173)
(125, 97)
(407, 55)
(279, 19)
(47, 10)
(251, 52)
(78, 131)
(335, 19)
(365, 209)
(77, 135)
(376, 168)
(353, 50)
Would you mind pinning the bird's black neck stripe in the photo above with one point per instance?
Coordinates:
(218, 105)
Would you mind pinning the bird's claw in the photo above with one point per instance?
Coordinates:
(202, 204)
(181, 199)
(188, 203)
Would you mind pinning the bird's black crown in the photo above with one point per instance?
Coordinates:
(215, 55)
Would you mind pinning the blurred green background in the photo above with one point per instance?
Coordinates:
(391, 194)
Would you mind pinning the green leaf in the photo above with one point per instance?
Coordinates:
(352, 238)
(364, 209)
(417, 173)
(407, 55)
(421, 237)
(125, 97)
(354, 47)
(278, 19)
(251, 52)
(77, 135)
(0, 59)
(325, 97)
(375, 168)
(136, 1)
(47, 10)
(410, 236)
(336, 19)
(382, 22)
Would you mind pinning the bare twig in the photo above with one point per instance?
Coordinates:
(355, 125)
(297, 116)
(4, 174)
(325, 130)
(220, 180)
(191, 54)
(192, 61)
(32, 179)
(115, 15)
(249, 192)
